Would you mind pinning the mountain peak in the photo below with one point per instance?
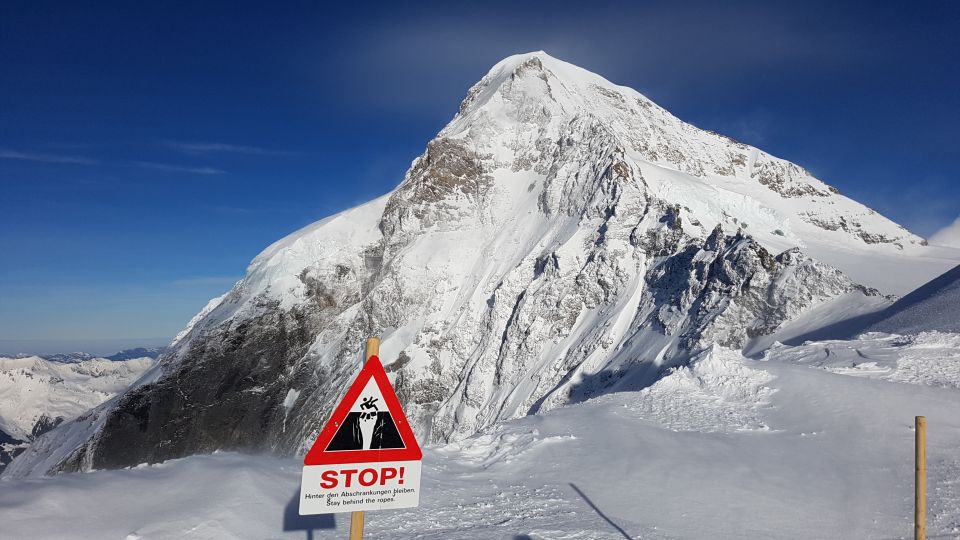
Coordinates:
(565, 71)
(519, 58)
(528, 101)
(539, 76)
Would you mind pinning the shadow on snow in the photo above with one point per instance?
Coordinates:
(293, 521)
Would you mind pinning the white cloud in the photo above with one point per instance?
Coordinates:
(179, 168)
(214, 147)
(46, 158)
(947, 236)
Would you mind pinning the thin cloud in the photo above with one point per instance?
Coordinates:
(179, 168)
(46, 158)
(195, 148)
(80, 160)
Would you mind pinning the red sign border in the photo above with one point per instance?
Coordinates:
(373, 368)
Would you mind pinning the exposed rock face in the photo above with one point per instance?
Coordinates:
(225, 393)
(561, 237)
(45, 424)
(10, 447)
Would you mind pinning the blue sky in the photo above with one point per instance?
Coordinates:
(148, 152)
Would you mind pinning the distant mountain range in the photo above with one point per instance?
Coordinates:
(72, 357)
(38, 394)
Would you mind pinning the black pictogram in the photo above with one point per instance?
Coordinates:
(368, 403)
(350, 435)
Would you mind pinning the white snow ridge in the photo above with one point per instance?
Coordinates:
(583, 303)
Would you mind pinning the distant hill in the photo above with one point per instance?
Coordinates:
(74, 357)
(65, 358)
(38, 394)
(139, 352)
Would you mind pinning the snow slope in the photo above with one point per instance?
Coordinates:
(561, 237)
(933, 307)
(726, 448)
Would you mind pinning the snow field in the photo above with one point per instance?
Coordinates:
(689, 457)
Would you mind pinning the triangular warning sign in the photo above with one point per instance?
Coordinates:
(368, 426)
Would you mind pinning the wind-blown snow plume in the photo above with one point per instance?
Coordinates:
(948, 236)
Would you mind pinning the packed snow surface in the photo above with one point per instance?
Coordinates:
(788, 447)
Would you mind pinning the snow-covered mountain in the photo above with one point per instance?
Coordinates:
(37, 394)
(70, 357)
(560, 238)
(64, 358)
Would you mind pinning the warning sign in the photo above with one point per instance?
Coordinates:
(366, 458)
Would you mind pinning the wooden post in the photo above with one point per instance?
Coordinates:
(373, 348)
(356, 518)
(356, 526)
(920, 496)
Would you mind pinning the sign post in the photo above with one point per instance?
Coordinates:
(356, 518)
(366, 458)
